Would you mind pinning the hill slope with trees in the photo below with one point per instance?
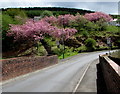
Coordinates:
(78, 30)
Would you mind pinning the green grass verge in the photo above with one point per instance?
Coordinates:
(68, 54)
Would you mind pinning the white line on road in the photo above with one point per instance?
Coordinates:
(75, 89)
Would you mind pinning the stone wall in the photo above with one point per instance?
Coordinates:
(111, 73)
(22, 65)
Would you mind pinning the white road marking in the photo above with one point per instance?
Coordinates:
(76, 87)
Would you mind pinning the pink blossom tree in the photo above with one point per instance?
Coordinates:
(63, 20)
(36, 30)
(97, 16)
(60, 21)
(51, 20)
(99, 19)
(31, 30)
(78, 22)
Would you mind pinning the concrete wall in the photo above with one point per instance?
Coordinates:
(115, 59)
(18, 66)
(111, 73)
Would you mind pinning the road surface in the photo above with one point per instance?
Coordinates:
(62, 77)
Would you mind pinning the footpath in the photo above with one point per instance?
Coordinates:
(93, 80)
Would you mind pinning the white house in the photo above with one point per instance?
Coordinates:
(36, 18)
(114, 22)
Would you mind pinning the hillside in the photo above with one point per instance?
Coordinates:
(56, 10)
(82, 34)
(37, 11)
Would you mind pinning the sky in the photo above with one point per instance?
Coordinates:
(110, 7)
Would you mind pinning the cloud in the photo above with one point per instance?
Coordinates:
(59, 0)
(24, 4)
(107, 7)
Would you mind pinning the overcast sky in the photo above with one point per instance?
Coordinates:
(110, 7)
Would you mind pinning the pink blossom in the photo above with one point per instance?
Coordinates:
(35, 30)
(96, 16)
(51, 19)
(64, 19)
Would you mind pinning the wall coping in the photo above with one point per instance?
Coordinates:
(24, 57)
(115, 66)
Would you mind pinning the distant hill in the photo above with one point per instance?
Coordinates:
(59, 9)
(36, 11)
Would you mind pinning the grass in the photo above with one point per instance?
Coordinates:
(111, 31)
(68, 54)
(116, 54)
(113, 28)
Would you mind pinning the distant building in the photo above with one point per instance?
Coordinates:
(36, 18)
(114, 22)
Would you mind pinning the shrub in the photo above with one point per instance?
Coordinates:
(46, 13)
(6, 20)
(102, 25)
(85, 34)
(57, 51)
(79, 22)
(90, 44)
(91, 26)
(113, 29)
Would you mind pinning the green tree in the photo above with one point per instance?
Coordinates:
(11, 16)
(6, 41)
(91, 26)
(102, 25)
(15, 12)
(6, 20)
(46, 13)
(79, 23)
(90, 44)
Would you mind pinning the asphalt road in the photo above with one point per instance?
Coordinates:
(62, 77)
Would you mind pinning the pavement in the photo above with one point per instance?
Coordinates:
(75, 74)
(88, 83)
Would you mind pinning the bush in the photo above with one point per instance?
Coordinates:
(85, 34)
(90, 44)
(113, 29)
(11, 16)
(79, 23)
(81, 49)
(102, 25)
(46, 13)
(57, 51)
(91, 26)
(6, 20)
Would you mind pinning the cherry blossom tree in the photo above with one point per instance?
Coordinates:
(60, 21)
(36, 31)
(97, 16)
(63, 20)
(51, 20)
(31, 30)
